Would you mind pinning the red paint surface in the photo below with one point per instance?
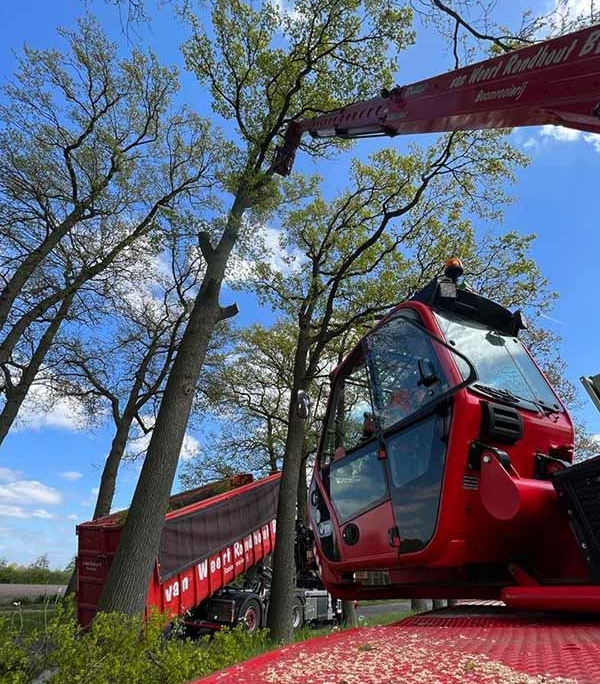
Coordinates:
(453, 646)
(501, 517)
(552, 82)
(98, 541)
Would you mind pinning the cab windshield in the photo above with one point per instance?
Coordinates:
(504, 368)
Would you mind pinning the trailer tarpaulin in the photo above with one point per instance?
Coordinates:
(189, 539)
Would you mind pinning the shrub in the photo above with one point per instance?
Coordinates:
(117, 649)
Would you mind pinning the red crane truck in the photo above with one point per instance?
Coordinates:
(445, 467)
(211, 536)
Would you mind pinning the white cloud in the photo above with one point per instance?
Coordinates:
(10, 511)
(91, 499)
(561, 134)
(566, 16)
(41, 410)
(189, 448)
(73, 516)
(285, 8)
(71, 475)
(268, 245)
(573, 9)
(8, 475)
(26, 492)
(531, 143)
(139, 443)
(13, 512)
(593, 139)
(42, 513)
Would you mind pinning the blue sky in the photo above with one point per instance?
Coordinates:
(49, 469)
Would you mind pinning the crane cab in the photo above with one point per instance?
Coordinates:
(433, 472)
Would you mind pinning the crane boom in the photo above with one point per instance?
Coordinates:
(553, 82)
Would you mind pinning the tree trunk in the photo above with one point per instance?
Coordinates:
(280, 607)
(129, 576)
(72, 586)
(108, 479)
(303, 491)
(15, 396)
(271, 447)
(123, 423)
(130, 572)
(349, 615)
(419, 605)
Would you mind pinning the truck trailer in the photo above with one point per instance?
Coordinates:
(212, 536)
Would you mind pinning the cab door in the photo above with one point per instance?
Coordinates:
(410, 387)
(354, 476)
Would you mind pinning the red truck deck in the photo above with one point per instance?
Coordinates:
(462, 644)
(214, 534)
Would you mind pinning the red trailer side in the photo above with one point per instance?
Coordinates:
(204, 546)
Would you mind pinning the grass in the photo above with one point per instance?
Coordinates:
(28, 617)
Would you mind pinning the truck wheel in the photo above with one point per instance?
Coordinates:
(249, 615)
(297, 614)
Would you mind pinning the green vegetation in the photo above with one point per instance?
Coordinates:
(119, 648)
(116, 648)
(27, 618)
(38, 572)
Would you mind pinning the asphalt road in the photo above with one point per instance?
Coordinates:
(14, 592)
(383, 608)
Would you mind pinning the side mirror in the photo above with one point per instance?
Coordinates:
(592, 386)
(302, 405)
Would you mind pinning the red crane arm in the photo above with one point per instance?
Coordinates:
(553, 82)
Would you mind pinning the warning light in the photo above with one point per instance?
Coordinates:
(453, 269)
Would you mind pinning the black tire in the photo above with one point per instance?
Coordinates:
(249, 615)
(297, 614)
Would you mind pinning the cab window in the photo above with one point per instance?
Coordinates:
(405, 369)
(350, 421)
(357, 482)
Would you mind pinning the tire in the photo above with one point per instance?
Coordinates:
(297, 614)
(249, 615)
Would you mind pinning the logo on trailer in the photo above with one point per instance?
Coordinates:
(175, 589)
(203, 570)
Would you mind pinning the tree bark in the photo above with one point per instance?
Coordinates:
(130, 573)
(303, 491)
(108, 478)
(419, 605)
(15, 396)
(280, 607)
(349, 615)
(72, 586)
(123, 423)
(129, 576)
